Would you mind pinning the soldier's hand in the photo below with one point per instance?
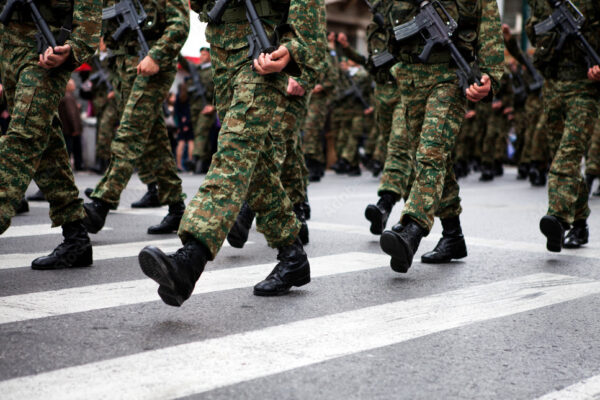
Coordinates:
(272, 63)
(470, 114)
(343, 39)
(594, 73)
(318, 88)
(110, 95)
(52, 58)
(508, 110)
(0, 90)
(294, 88)
(368, 111)
(506, 32)
(208, 109)
(147, 67)
(476, 93)
(497, 104)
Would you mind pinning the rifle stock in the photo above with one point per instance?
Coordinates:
(129, 17)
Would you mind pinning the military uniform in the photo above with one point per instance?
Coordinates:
(571, 108)
(34, 147)
(203, 122)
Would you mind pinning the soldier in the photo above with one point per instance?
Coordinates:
(433, 106)
(142, 134)
(570, 97)
(592, 159)
(243, 165)
(34, 147)
(204, 114)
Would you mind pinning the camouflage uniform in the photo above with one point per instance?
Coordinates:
(142, 134)
(494, 142)
(592, 159)
(571, 107)
(245, 161)
(433, 107)
(34, 147)
(203, 122)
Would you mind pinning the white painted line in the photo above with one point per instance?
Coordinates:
(102, 252)
(80, 299)
(588, 389)
(207, 365)
(33, 230)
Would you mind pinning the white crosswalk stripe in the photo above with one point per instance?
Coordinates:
(200, 366)
(34, 230)
(588, 389)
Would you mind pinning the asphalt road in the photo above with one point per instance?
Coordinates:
(510, 321)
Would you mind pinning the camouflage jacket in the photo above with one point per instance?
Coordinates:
(570, 63)
(165, 29)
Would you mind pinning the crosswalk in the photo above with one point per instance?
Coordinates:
(397, 311)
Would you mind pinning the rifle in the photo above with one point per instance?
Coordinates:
(438, 32)
(518, 86)
(354, 90)
(128, 17)
(567, 20)
(538, 81)
(100, 76)
(259, 41)
(197, 89)
(377, 17)
(44, 37)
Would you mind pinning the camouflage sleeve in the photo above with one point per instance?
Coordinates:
(85, 32)
(306, 37)
(166, 49)
(354, 55)
(330, 76)
(490, 51)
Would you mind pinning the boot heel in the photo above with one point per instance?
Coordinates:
(302, 281)
(85, 259)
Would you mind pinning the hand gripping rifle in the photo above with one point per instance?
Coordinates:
(438, 32)
(259, 40)
(567, 20)
(129, 17)
(100, 76)
(197, 89)
(44, 37)
(354, 90)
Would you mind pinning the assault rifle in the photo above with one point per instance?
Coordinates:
(519, 88)
(129, 17)
(44, 37)
(354, 90)
(100, 76)
(197, 89)
(567, 20)
(538, 81)
(259, 41)
(437, 32)
(377, 17)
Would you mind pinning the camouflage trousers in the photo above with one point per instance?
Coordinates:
(349, 134)
(572, 109)
(387, 98)
(202, 126)
(288, 148)
(141, 138)
(108, 121)
(465, 141)
(592, 159)
(34, 146)
(533, 111)
(318, 108)
(372, 135)
(493, 146)
(244, 166)
(430, 116)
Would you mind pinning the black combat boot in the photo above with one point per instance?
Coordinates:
(238, 235)
(74, 252)
(379, 213)
(303, 234)
(376, 168)
(537, 175)
(96, 213)
(149, 199)
(354, 171)
(37, 196)
(578, 235)
(175, 273)
(522, 171)
(306, 208)
(487, 172)
(401, 243)
(88, 193)
(292, 270)
(23, 206)
(341, 166)
(498, 168)
(451, 246)
(170, 223)
(554, 230)
(589, 180)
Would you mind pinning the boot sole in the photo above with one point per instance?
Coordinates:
(373, 215)
(553, 232)
(154, 268)
(83, 261)
(300, 282)
(396, 248)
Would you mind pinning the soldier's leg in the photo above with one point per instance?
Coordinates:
(592, 158)
(354, 129)
(314, 126)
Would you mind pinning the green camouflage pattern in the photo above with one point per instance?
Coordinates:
(108, 120)
(203, 122)
(142, 137)
(34, 147)
(318, 109)
(592, 159)
(387, 100)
